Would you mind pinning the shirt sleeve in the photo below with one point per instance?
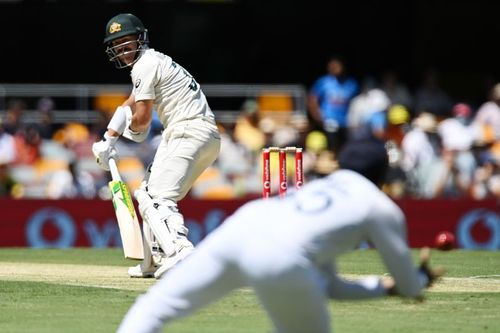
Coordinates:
(343, 289)
(144, 79)
(387, 230)
(316, 89)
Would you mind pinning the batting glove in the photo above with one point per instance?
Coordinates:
(104, 150)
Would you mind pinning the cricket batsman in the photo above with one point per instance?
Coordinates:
(190, 139)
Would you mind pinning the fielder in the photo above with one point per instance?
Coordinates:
(190, 139)
(285, 249)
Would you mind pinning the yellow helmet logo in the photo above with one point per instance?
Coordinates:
(115, 27)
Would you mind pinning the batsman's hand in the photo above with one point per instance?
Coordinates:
(432, 274)
(104, 150)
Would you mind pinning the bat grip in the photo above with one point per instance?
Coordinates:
(114, 169)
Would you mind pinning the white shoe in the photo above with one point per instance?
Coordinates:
(140, 272)
(184, 249)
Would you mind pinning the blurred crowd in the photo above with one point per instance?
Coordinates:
(438, 147)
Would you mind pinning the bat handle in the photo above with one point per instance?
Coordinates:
(114, 169)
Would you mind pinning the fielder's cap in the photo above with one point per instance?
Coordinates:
(366, 156)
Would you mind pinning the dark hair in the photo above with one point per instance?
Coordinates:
(367, 156)
(336, 56)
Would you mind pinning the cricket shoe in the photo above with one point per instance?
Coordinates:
(140, 272)
(184, 249)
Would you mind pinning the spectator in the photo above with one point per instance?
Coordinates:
(451, 175)
(28, 143)
(440, 164)
(420, 143)
(368, 109)
(487, 118)
(302, 126)
(320, 160)
(486, 181)
(233, 157)
(398, 123)
(13, 116)
(76, 138)
(7, 183)
(247, 131)
(7, 146)
(329, 99)
(311, 145)
(268, 126)
(235, 162)
(397, 92)
(97, 129)
(47, 126)
(285, 136)
(71, 183)
(421, 148)
(454, 131)
(398, 119)
(431, 98)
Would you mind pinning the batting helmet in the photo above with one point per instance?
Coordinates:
(120, 26)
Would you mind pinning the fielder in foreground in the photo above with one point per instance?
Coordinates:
(285, 249)
(190, 139)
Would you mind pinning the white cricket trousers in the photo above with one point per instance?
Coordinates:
(183, 154)
(285, 282)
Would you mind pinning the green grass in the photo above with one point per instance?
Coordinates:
(45, 307)
(462, 303)
(458, 263)
(89, 256)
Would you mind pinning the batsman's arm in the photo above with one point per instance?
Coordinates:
(142, 116)
(138, 124)
(119, 120)
(133, 125)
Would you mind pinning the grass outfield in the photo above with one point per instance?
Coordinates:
(87, 290)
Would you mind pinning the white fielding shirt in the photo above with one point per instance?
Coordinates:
(326, 218)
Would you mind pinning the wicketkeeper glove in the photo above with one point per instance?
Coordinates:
(104, 150)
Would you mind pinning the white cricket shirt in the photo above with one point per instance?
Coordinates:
(177, 96)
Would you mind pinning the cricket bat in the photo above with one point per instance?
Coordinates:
(126, 215)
